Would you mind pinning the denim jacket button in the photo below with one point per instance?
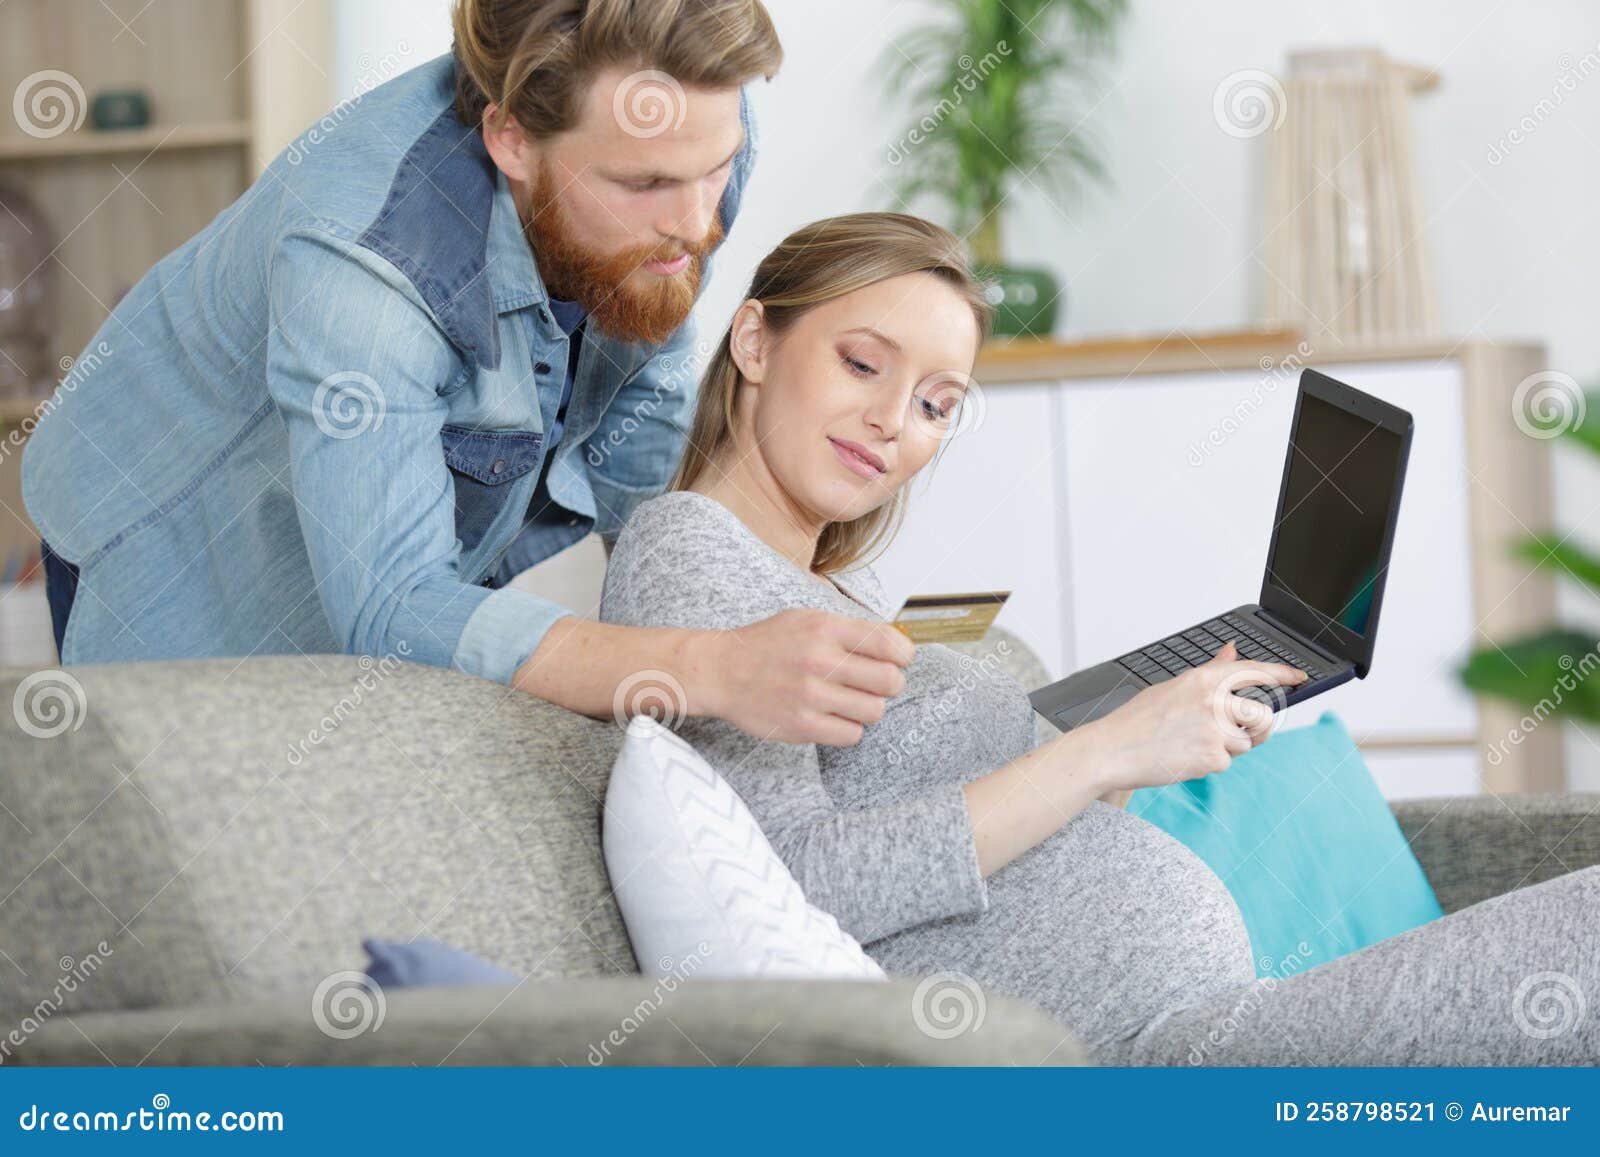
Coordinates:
(498, 465)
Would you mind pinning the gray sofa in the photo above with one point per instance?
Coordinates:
(191, 853)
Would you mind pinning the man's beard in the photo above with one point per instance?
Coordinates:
(601, 283)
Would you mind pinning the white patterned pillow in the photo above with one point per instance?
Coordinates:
(701, 891)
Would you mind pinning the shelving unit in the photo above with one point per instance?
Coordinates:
(156, 138)
(230, 83)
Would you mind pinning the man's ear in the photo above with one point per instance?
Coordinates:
(747, 340)
(510, 148)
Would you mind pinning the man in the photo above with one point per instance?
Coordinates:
(442, 343)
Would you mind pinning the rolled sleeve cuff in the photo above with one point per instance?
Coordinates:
(933, 874)
(960, 885)
(503, 631)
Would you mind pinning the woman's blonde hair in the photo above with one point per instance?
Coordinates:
(536, 58)
(817, 263)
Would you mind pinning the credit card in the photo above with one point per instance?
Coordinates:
(963, 618)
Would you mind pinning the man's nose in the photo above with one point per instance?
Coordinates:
(688, 218)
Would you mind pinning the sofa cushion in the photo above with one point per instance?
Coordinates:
(701, 890)
(1304, 840)
(428, 963)
(95, 909)
(230, 827)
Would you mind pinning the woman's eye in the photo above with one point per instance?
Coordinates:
(857, 367)
(932, 411)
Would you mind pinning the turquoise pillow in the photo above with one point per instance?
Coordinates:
(1298, 831)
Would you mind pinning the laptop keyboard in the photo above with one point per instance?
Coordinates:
(1177, 653)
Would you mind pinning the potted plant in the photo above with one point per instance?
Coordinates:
(1550, 671)
(991, 84)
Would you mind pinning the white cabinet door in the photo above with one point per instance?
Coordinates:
(1171, 483)
(985, 516)
(1416, 773)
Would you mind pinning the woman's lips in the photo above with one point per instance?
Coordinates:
(855, 461)
(668, 268)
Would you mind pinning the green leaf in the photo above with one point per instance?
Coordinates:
(1587, 432)
(1561, 556)
(1553, 673)
(988, 84)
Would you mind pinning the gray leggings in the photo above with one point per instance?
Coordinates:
(1512, 980)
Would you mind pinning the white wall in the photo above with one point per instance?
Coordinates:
(1173, 244)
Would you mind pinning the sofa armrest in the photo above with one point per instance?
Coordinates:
(1475, 847)
(624, 1020)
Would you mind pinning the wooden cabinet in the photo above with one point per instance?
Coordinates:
(229, 83)
(1121, 500)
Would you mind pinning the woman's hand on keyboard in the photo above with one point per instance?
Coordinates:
(1188, 726)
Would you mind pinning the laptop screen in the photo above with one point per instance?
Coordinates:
(1337, 496)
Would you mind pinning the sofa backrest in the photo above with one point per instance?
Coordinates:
(210, 829)
(184, 831)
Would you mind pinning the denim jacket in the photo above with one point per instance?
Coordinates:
(316, 426)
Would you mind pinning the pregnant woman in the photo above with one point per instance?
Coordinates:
(938, 834)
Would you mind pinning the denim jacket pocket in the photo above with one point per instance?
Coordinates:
(481, 462)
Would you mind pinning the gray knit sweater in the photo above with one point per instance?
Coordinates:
(1108, 921)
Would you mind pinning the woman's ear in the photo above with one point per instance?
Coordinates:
(509, 147)
(747, 341)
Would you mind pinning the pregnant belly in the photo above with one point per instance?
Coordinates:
(1104, 924)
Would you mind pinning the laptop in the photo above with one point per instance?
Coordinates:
(1323, 587)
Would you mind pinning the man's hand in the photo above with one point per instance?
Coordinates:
(804, 676)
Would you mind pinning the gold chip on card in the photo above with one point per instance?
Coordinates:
(962, 618)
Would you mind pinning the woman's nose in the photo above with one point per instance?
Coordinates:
(887, 416)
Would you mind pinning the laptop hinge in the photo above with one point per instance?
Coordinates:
(1296, 634)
